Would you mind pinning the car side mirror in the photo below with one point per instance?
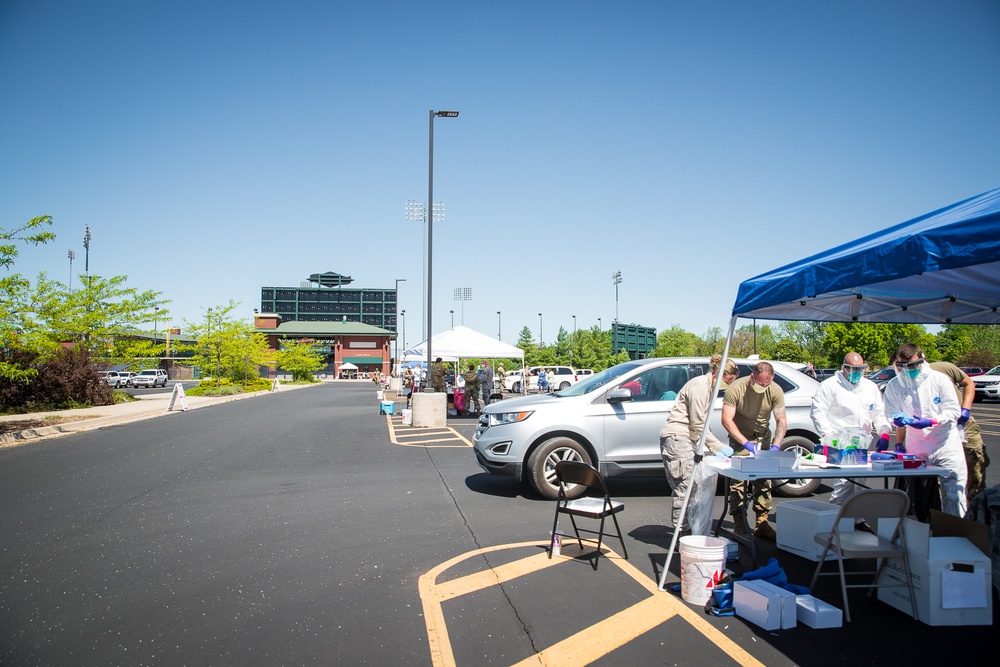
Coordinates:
(620, 396)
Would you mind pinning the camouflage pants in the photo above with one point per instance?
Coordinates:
(760, 490)
(976, 459)
(470, 396)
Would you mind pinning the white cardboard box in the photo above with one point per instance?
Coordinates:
(786, 460)
(817, 614)
(754, 464)
(765, 604)
(798, 521)
(951, 579)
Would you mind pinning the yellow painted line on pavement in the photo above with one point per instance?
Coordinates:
(407, 436)
(583, 647)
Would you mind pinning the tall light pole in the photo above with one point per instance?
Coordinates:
(572, 341)
(72, 256)
(462, 294)
(156, 317)
(402, 314)
(498, 325)
(616, 280)
(599, 327)
(86, 246)
(452, 318)
(416, 211)
(398, 280)
(430, 227)
(541, 339)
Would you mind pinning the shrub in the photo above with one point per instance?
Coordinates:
(67, 380)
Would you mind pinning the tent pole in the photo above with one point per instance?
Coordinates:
(699, 453)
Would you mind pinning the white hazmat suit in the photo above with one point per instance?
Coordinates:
(932, 395)
(840, 405)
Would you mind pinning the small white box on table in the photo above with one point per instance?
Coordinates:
(754, 464)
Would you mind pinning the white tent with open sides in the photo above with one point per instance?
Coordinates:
(464, 343)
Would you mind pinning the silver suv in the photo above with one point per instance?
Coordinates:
(612, 420)
(149, 377)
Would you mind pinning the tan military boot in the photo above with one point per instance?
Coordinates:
(739, 526)
(764, 529)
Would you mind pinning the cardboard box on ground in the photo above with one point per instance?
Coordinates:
(950, 568)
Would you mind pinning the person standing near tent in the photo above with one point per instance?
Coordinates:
(437, 376)
(487, 382)
(976, 459)
(543, 381)
(923, 405)
(747, 408)
(472, 389)
(849, 401)
(678, 439)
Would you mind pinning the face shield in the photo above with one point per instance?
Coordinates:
(910, 369)
(854, 373)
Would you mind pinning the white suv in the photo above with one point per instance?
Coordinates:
(612, 421)
(149, 377)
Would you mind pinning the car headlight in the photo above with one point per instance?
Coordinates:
(508, 417)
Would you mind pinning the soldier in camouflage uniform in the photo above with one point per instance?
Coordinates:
(437, 376)
(472, 388)
(975, 454)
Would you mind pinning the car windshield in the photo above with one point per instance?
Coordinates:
(993, 371)
(598, 380)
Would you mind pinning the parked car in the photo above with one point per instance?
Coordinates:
(973, 371)
(110, 378)
(150, 377)
(601, 422)
(126, 378)
(824, 373)
(988, 384)
(560, 377)
(581, 372)
(881, 377)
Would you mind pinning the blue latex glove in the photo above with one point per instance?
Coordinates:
(883, 443)
(725, 452)
(901, 420)
(922, 422)
(774, 448)
(964, 417)
(900, 447)
(750, 447)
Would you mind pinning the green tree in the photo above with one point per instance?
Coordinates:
(875, 342)
(14, 295)
(712, 341)
(676, 342)
(299, 358)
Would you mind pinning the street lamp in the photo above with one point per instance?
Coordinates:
(541, 339)
(573, 341)
(402, 314)
(430, 226)
(452, 318)
(72, 256)
(156, 317)
(599, 327)
(498, 325)
(462, 294)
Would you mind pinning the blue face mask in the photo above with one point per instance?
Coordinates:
(912, 374)
(853, 376)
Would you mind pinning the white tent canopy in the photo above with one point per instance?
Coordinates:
(348, 367)
(463, 343)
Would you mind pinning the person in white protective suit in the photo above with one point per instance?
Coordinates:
(923, 406)
(678, 439)
(846, 402)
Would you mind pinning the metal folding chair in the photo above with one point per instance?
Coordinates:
(569, 473)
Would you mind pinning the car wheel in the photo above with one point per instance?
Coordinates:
(564, 385)
(542, 466)
(797, 488)
(516, 388)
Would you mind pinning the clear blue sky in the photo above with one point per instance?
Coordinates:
(217, 147)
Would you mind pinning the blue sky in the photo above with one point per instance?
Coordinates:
(216, 147)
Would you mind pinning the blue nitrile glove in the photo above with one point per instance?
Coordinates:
(902, 420)
(964, 417)
(750, 447)
(725, 452)
(922, 422)
(881, 456)
(774, 448)
(900, 447)
(883, 443)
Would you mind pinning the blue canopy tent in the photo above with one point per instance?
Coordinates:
(939, 268)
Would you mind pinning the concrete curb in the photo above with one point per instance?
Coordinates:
(127, 412)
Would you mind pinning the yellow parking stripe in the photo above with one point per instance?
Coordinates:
(423, 437)
(584, 647)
